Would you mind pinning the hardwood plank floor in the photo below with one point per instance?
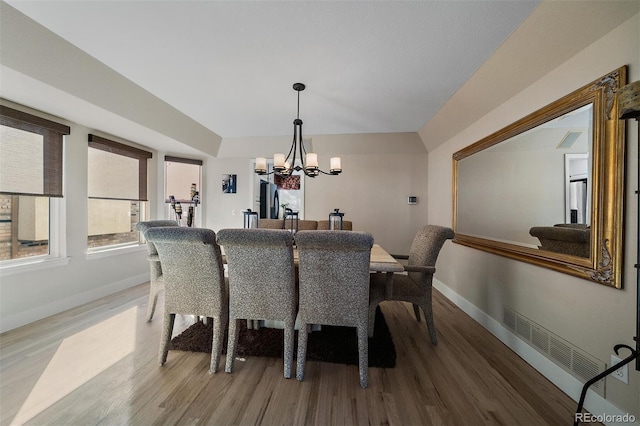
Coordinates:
(97, 364)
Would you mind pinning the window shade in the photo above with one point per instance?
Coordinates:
(30, 154)
(179, 174)
(182, 160)
(116, 171)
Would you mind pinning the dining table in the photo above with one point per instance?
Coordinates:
(383, 262)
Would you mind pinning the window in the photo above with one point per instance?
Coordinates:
(31, 154)
(182, 181)
(180, 174)
(117, 188)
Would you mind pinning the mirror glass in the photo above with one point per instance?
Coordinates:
(529, 181)
(548, 188)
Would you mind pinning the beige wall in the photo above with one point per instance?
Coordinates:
(590, 316)
(380, 171)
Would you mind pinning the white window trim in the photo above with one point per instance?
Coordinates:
(57, 244)
(109, 251)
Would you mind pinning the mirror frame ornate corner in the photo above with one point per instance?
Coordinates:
(604, 266)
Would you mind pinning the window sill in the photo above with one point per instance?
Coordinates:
(115, 251)
(33, 265)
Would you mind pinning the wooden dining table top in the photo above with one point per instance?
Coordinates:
(380, 260)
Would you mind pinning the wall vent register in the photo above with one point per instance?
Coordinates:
(567, 356)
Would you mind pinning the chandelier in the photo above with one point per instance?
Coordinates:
(298, 159)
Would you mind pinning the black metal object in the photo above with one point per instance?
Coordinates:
(291, 220)
(190, 216)
(635, 353)
(335, 220)
(250, 219)
(637, 265)
(605, 373)
(297, 145)
(629, 104)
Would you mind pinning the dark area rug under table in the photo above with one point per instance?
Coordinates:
(338, 345)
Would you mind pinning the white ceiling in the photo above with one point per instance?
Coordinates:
(369, 66)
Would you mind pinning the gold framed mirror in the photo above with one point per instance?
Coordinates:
(549, 188)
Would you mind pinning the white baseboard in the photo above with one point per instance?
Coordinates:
(14, 321)
(594, 403)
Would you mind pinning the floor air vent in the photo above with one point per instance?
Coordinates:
(575, 361)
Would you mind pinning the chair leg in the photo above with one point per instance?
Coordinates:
(416, 310)
(153, 300)
(363, 356)
(428, 317)
(167, 329)
(289, 335)
(231, 344)
(372, 319)
(216, 347)
(302, 350)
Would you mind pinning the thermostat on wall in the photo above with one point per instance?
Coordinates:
(412, 199)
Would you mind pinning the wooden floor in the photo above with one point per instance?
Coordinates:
(97, 364)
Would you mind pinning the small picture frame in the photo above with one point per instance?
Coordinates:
(229, 183)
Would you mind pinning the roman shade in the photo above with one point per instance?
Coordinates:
(116, 171)
(30, 154)
(182, 160)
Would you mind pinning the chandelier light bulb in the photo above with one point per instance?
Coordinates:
(336, 165)
(312, 160)
(261, 165)
(278, 161)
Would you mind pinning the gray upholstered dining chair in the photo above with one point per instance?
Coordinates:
(271, 223)
(416, 286)
(334, 287)
(262, 283)
(156, 283)
(347, 225)
(194, 282)
(307, 225)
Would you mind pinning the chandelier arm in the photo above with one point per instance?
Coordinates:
(266, 173)
(303, 151)
(328, 173)
(297, 130)
(293, 144)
